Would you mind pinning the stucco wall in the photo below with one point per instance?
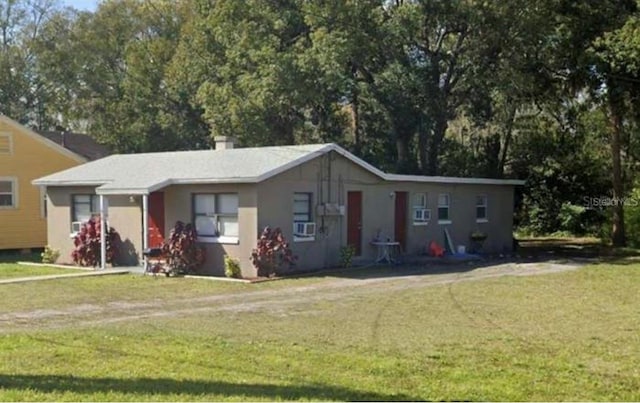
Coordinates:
(328, 178)
(123, 215)
(177, 201)
(462, 212)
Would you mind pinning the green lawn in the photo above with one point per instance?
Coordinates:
(566, 336)
(14, 270)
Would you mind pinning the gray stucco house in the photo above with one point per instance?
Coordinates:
(322, 196)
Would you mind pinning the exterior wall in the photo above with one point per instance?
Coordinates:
(177, 201)
(270, 203)
(328, 178)
(462, 213)
(123, 215)
(25, 225)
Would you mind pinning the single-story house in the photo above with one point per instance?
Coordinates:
(320, 195)
(24, 156)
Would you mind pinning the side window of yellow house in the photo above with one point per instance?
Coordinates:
(8, 192)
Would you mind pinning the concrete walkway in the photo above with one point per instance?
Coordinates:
(59, 276)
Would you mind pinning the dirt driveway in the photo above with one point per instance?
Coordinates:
(272, 301)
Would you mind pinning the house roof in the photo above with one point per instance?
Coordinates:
(453, 179)
(145, 173)
(81, 144)
(42, 139)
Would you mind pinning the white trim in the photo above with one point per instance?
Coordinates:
(9, 135)
(452, 179)
(15, 191)
(486, 208)
(45, 141)
(145, 222)
(304, 238)
(43, 202)
(447, 206)
(313, 154)
(420, 223)
(44, 182)
(103, 233)
(229, 240)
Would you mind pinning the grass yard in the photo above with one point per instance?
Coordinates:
(572, 335)
(14, 270)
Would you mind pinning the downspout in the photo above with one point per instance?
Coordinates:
(103, 234)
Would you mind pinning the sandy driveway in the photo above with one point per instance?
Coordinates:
(272, 301)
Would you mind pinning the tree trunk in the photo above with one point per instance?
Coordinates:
(434, 147)
(402, 148)
(618, 237)
(508, 134)
(355, 119)
(423, 145)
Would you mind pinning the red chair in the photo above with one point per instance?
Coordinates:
(435, 249)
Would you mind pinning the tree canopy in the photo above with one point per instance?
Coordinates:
(544, 90)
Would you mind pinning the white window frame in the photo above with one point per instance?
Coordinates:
(10, 141)
(301, 238)
(420, 205)
(442, 206)
(222, 239)
(485, 205)
(14, 192)
(93, 211)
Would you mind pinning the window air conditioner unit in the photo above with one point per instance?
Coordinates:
(422, 215)
(75, 226)
(304, 229)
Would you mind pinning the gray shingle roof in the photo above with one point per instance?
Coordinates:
(143, 173)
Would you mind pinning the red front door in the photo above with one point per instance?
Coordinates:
(400, 230)
(156, 219)
(354, 221)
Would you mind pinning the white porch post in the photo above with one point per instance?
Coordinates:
(145, 226)
(103, 234)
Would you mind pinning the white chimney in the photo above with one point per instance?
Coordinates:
(224, 142)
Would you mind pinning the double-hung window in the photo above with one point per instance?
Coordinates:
(481, 208)
(84, 207)
(302, 207)
(215, 216)
(444, 202)
(8, 193)
(304, 229)
(421, 215)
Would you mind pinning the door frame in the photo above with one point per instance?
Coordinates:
(401, 218)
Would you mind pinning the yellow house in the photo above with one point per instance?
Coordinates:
(24, 156)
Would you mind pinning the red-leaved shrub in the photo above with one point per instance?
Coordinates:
(181, 251)
(87, 244)
(271, 253)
